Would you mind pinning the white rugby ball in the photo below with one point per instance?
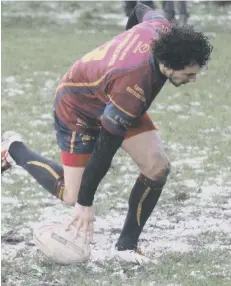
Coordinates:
(60, 244)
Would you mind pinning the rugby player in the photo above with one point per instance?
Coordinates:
(101, 105)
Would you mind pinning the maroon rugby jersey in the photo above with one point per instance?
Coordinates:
(113, 84)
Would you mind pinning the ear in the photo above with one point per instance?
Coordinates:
(166, 71)
(162, 68)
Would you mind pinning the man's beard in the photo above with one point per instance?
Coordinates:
(174, 83)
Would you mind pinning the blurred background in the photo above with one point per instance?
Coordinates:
(188, 236)
(109, 13)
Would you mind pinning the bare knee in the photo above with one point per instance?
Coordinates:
(157, 166)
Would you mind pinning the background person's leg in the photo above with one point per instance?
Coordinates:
(168, 7)
(182, 10)
(129, 6)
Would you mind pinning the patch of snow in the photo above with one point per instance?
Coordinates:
(192, 162)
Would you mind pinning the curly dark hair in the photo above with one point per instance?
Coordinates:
(179, 47)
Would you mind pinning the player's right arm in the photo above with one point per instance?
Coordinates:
(106, 146)
(142, 13)
(127, 102)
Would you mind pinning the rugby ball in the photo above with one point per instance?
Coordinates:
(61, 245)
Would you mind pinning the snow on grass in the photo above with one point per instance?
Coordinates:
(162, 235)
(180, 225)
(175, 107)
(190, 183)
(195, 162)
(46, 116)
(36, 123)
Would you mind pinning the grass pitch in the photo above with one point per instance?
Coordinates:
(188, 235)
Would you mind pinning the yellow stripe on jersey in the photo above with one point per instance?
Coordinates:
(45, 166)
(82, 84)
(120, 108)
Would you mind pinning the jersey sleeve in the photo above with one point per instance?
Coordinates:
(154, 15)
(127, 101)
(143, 13)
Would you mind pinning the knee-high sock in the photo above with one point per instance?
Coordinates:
(143, 198)
(47, 173)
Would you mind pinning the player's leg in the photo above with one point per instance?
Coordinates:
(144, 145)
(46, 172)
(73, 166)
(183, 13)
(76, 151)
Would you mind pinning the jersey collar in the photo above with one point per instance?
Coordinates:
(155, 67)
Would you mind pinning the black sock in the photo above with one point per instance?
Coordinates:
(143, 198)
(47, 173)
